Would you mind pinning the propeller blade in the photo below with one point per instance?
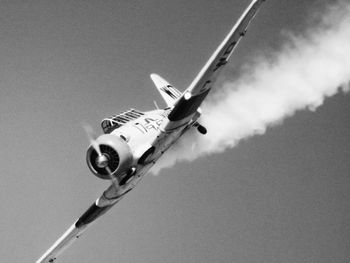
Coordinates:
(92, 138)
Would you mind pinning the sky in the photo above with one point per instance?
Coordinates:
(281, 196)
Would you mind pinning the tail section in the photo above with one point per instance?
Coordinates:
(168, 92)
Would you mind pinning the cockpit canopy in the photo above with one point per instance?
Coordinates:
(114, 122)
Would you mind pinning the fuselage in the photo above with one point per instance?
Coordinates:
(148, 142)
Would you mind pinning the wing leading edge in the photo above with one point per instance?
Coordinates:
(192, 98)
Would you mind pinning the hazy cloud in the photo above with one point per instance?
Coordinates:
(305, 71)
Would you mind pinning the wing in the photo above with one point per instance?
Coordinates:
(191, 99)
(108, 199)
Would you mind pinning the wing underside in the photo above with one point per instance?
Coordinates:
(108, 199)
(192, 98)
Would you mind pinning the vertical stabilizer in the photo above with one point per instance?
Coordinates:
(168, 92)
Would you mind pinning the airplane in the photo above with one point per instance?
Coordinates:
(133, 140)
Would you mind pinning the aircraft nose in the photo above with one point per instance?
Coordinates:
(102, 161)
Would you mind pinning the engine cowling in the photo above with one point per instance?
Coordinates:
(116, 152)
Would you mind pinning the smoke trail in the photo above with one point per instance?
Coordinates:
(301, 76)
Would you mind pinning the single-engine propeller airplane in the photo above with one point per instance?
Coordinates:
(133, 140)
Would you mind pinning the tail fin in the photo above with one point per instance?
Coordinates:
(168, 92)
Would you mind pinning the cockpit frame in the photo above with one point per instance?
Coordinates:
(110, 124)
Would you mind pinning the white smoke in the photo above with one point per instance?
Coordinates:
(300, 76)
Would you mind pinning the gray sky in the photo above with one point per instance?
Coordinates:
(279, 197)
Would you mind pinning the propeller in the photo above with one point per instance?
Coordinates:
(101, 160)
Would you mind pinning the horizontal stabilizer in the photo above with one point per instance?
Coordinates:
(168, 92)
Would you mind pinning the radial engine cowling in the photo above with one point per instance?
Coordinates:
(116, 152)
